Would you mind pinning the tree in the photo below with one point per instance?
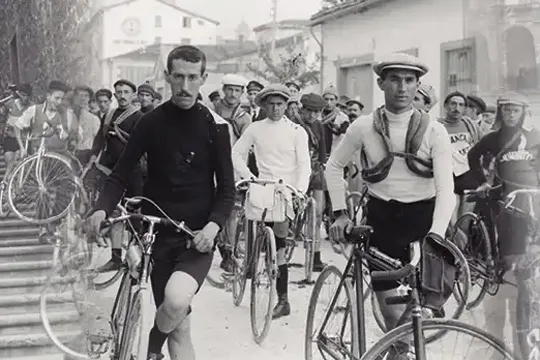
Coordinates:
(289, 66)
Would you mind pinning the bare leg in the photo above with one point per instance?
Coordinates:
(180, 344)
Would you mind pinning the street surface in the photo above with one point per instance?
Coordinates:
(221, 331)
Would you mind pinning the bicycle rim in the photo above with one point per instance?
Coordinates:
(311, 345)
(138, 323)
(309, 243)
(240, 261)
(477, 255)
(265, 254)
(27, 168)
(402, 336)
(119, 312)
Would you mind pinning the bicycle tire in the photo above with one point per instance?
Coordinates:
(312, 307)
(120, 310)
(482, 235)
(310, 224)
(267, 242)
(138, 316)
(380, 348)
(20, 213)
(240, 274)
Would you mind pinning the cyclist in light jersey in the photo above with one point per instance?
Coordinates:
(407, 201)
(425, 98)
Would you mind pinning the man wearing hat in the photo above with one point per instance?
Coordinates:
(354, 109)
(463, 133)
(103, 98)
(229, 108)
(46, 119)
(214, 97)
(253, 88)
(145, 93)
(312, 105)
(294, 87)
(475, 108)
(335, 122)
(516, 144)
(404, 193)
(342, 103)
(488, 119)
(286, 159)
(108, 145)
(158, 98)
(425, 98)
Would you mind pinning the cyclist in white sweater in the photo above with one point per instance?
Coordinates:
(410, 198)
(282, 153)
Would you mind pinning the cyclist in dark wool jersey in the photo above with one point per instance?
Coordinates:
(190, 176)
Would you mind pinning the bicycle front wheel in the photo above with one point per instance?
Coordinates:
(137, 329)
(240, 259)
(398, 343)
(41, 189)
(263, 284)
(310, 225)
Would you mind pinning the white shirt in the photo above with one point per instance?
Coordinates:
(24, 121)
(401, 184)
(89, 125)
(281, 149)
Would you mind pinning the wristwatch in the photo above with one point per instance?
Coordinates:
(338, 213)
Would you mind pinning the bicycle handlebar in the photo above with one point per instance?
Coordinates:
(510, 198)
(265, 182)
(405, 271)
(473, 195)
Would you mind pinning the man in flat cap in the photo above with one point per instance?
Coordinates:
(214, 97)
(342, 103)
(103, 98)
(50, 119)
(463, 133)
(230, 109)
(334, 120)
(488, 119)
(475, 108)
(425, 98)
(253, 88)
(407, 194)
(282, 153)
(145, 93)
(354, 109)
(158, 98)
(108, 145)
(294, 87)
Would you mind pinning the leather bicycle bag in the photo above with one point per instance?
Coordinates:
(268, 203)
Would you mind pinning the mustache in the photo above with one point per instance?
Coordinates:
(183, 93)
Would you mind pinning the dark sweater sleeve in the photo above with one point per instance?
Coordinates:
(99, 141)
(223, 170)
(322, 143)
(117, 181)
(482, 148)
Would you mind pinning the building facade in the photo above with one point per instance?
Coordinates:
(130, 25)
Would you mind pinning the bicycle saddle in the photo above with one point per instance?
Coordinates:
(133, 203)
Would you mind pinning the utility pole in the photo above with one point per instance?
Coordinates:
(273, 11)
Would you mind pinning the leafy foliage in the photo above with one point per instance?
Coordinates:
(50, 41)
(285, 67)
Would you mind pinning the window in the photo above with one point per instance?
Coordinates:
(14, 57)
(157, 40)
(458, 67)
(157, 21)
(187, 22)
(185, 41)
(200, 22)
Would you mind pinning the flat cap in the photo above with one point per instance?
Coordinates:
(330, 90)
(57, 85)
(313, 101)
(513, 98)
(274, 89)
(476, 101)
(125, 82)
(343, 100)
(104, 92)
(213, 95)
(234, 80)
(254, 84)
(400, 61)
(147, 88)
(491, 109)
(428, 91)
(453, 94)
(293, 84)
(355, 101)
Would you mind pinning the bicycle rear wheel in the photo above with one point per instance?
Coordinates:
(137, 330)
(397, 344)
(309, 230)
(478, 253)
(343, 342)
(264, 280)
(36, 185)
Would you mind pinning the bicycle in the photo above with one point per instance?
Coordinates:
(481, 249)
(130, 313)
(255, 245)
(351, 283)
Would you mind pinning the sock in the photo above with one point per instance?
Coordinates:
(282, 282)
(317, 257)
(156, 340)
(116, 254)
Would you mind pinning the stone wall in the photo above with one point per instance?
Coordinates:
(51, 42)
